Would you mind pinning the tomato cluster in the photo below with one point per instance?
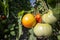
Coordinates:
(40, 23)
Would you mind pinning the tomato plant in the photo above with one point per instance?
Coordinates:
(15, 26)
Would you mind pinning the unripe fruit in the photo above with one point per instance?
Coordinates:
(42, 30)
(49, 17)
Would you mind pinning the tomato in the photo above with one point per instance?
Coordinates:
(28, 20)
(49, 17)
(38, 18)
(3, 17)
(42, 29)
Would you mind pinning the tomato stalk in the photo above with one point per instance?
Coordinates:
(20, 14)
(43, 5)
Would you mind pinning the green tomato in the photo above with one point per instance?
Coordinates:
(42, 29)
(49, 17)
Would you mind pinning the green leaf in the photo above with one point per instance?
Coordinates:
(56, 11)
(11, 26)
(32, 37)
(58, 37)
(50, 1)
(12, 33)
(20, 13)
(6, 7)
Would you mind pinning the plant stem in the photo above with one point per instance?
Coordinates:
(20, 32)
(44, 5)
(6, 7)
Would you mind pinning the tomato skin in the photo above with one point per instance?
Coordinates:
(42, 29)
(49, 17)
(28, 20)
(38, 18)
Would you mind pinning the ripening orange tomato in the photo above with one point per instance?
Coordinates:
(38, 18)
(28, 20)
